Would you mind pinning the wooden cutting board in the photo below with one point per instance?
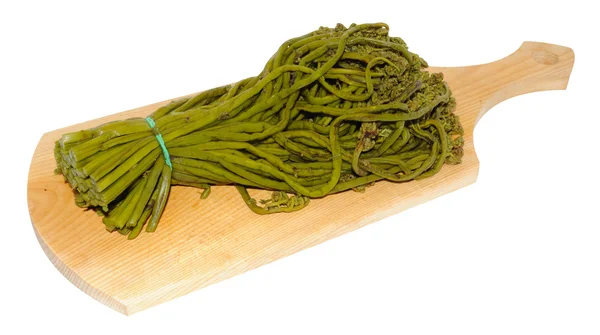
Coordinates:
(200, 242)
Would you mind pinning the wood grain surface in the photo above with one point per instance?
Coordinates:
(200, 242)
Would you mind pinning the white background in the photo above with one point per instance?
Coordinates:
(516, 253)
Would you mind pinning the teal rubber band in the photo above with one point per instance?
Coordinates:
(161, 141)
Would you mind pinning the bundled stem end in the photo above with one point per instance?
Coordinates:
(333, 110)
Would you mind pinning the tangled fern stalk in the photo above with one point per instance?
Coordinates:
(336, 109)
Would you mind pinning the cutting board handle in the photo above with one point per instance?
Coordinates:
(534, 67)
